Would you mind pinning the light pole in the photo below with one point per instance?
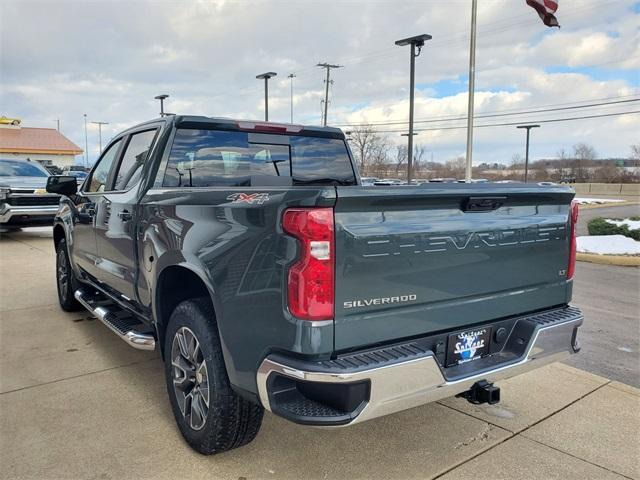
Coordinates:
(472, 88)
(526, 155)
(291, 77)
(328, 67)
(86, 142)
(100, 133)
(266, 76)
(417, 41)
(161, 98)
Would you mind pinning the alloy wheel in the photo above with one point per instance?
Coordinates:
(63, 274)
(190, 378)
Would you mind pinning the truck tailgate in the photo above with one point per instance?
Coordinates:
(417, 260)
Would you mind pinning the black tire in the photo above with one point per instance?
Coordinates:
(65, 279)
(229, 421)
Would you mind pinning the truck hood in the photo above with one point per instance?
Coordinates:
(23, 182)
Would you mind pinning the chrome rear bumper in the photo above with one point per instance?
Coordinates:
(417, 381)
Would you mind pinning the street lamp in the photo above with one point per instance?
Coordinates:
(291, 77)
(161, 98)
(417, 41)
(266, 76)
(526, 156)
(100, 133)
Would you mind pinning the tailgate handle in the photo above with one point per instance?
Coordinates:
(482, 204)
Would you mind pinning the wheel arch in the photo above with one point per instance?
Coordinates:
(175, 284)
(58, 234)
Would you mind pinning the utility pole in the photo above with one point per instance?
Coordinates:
(266, 76)
(526, 155)
(86, 142)
(58, 124)
(162, 99)
(328, 66)
(100, 133)
(472, 83)
(417, 41)
(291, 77)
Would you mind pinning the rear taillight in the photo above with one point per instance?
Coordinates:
(572, 246)
(311, 278)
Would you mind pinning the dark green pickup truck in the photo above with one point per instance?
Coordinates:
(250, 256)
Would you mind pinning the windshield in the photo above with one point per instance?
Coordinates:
(11, 168)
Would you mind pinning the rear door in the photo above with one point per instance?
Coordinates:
(417, 260)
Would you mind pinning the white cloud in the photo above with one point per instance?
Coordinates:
(63, 59)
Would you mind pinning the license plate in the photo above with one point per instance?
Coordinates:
(469, 345)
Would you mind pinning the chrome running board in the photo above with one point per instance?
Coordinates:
(118, 321)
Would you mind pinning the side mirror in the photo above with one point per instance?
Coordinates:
(62, 185)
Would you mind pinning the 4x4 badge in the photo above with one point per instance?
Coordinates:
(250, 198)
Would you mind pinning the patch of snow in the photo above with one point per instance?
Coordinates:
(608, 245)
(632, 224)
(589, 201)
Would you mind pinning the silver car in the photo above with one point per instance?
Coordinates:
(24, 201)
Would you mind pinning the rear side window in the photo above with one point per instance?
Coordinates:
(134, 157)
(204, 158)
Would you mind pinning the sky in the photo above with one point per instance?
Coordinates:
(108, 59)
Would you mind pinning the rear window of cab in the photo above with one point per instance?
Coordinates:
(207, 158)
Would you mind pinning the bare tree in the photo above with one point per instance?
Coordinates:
(635, 152)
(582, 153)
(607, 173)
(401, 157)
(419, 153)
(378, 156)
(517, 161)
(364, 140)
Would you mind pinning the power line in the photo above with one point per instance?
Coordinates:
(523, 112)
(516, 123)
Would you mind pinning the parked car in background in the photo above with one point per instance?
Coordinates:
(79, 174)
(443, 180)
(53, 169)
(368, 181)
(24, 201)
(389, 182)
(249, 254)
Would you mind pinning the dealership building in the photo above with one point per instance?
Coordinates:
(45, 145)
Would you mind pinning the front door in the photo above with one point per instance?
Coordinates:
(83, 248)
(116, 220)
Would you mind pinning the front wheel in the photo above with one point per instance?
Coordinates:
(210, 415)
(65, 279)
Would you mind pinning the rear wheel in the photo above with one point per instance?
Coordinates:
(211, 416)
(65, 279)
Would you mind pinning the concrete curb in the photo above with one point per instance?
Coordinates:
(621, 260)
(606, 205)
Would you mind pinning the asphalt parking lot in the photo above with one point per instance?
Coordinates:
(77, 402)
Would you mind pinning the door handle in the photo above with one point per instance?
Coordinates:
(125, 215)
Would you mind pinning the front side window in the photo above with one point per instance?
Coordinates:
(134, 157)
(204, 158)
(100, 174)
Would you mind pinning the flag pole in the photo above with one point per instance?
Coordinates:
(472, 82)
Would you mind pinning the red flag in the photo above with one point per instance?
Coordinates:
(546, 10)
